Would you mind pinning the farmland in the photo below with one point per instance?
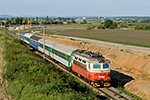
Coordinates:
(130, 37)
(77, 26)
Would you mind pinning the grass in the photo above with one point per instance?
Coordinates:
(32, 78)
(128, 93)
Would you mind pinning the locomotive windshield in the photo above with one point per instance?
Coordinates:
(105, 66)
(96, 66)
(99, 67)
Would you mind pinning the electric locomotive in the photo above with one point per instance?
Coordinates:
(93, 67)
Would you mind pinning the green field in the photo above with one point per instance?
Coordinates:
(132, 37)
(75, 26)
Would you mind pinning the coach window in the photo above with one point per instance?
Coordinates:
(68, 57)
(76, 58)
(47, 48)
(79, 59)
(84, 61)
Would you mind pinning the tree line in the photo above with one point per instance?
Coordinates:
(145, 26)
(36, 21)
(109, 24)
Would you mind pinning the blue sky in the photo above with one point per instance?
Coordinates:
(75, 7)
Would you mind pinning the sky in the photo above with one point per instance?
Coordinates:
(75, 7)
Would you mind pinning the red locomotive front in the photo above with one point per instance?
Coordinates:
(93, 67)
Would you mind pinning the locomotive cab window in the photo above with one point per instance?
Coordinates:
(96, 66)
(105, 66)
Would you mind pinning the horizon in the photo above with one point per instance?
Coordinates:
(75, 8)
(71, 16)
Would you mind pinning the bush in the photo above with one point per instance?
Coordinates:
(139, 27)
(89, 28)
(147, 27)
(123, 26)
(100, 27)
(130, 24)
(93, 27)
(111, 27)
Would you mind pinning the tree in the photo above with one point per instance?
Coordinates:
(84, 21)
(25, 20)
(100, 27)
(114, 24)
(68, 18)
(72, 20)
(17, 20)
(107, 23)
(46, 19)
(8, 21)
(12, 21)
(60, 18)
(51, 21)
(20, 20)
(64, 19)
(54, 19)
(37, 19)
(111, 27)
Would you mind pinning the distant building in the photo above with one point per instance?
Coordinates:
(84, 17)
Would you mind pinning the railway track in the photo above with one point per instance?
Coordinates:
(13, 35)
(111, 92)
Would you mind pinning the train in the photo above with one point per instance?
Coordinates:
(93, 67)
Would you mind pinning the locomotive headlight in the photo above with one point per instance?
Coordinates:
(96, 74)
(106, 73)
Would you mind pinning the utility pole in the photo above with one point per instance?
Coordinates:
(19, 30)
(4, 28)
(44, 42)
(9, 25)
(1, 26)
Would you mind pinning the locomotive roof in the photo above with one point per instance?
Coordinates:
(47, 42)
(35, 37)
(90, 56)
(63, 48)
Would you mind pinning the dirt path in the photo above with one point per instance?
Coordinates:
(3, 95)
(121, 46)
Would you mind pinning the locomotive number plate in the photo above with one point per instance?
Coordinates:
(101, 76)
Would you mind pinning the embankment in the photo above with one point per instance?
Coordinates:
(132, 68)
